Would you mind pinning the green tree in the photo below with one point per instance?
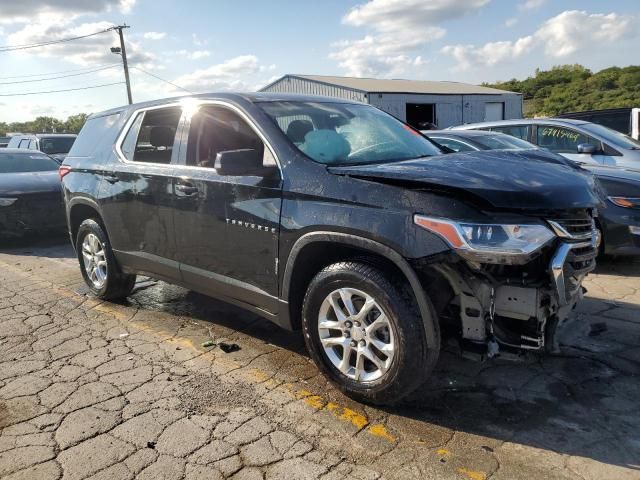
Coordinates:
(74, 123)
(571, 88)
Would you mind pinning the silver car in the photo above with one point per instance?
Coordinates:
(576, 140)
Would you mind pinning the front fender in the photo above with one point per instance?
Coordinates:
(427, 312)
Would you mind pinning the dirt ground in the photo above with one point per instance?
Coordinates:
(92, 389)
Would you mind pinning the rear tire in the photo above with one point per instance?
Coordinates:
(364, 331)
(98, 265)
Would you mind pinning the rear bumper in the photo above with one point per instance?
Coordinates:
(23, 218)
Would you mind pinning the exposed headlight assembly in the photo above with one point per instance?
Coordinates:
(489, 243)
(7, 202)
(625, 202)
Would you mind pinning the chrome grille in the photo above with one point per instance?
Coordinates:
(576, 255)
(573, 228)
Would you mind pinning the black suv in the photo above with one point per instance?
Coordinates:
(336, 218)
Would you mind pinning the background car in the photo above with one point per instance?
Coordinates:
(574, 139)
(30, 193)
(475, 140)
(56, 145)
(4, 141)
(619, 217)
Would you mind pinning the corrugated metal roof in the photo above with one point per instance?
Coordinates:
(375, 85)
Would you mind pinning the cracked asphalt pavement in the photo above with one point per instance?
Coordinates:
(92, 389)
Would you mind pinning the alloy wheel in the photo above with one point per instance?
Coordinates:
(356, 334)
(95, 262)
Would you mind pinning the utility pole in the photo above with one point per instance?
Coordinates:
(123, 52)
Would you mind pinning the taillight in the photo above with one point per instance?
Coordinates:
(63, 170)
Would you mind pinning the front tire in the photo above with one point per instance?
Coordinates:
(364, 331)
(98, 265)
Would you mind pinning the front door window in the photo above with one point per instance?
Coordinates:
(562, 140)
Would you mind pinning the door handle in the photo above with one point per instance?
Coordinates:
(186, 189)
(111, 178)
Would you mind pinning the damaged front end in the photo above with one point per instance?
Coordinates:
(509, 285)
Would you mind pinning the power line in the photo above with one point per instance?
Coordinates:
(58, 91)
(162, 79)
(11, 48)
(60, 72)
(60, 76)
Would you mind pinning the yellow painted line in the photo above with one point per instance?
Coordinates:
(317, 402)
(314, 401)
(473, 474)
(348, 415)
(443, 452)
(114, 312)
(380, 431)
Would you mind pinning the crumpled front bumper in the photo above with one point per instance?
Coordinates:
(499, 311)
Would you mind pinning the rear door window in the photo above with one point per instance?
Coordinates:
(518, 131)
(24, 143)
(562, 140)
(26, 162)
(152, 136)
(55, 145)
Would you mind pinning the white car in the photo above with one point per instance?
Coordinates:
(576, 140)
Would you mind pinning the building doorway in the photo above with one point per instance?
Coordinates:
(493, 111)
(421, 115)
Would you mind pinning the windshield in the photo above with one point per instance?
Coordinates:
(616, 138)
(26, 162)
(347, 134)
(502, 142)
(53, 145)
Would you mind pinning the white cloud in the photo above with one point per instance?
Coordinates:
(155, 35)
(87, 51)
(577, 30)
(532, 4)
(510, 22)
(559, 37)
(400, 28)
(232, 74)
(197, 41)
(193, 55)
(27, 10)
(198, 54)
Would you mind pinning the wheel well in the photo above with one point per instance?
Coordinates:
(315, 256)
(80, 213)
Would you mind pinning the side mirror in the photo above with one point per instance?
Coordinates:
(587, 148)
(240, 162)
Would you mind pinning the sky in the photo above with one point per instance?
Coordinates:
(242, 45)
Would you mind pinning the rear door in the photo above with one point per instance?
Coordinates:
(137, 195)
(227, 226)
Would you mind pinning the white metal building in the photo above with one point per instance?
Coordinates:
(414, 101)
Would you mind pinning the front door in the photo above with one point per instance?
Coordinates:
(565, 141)
(227, 226)
(137, 198)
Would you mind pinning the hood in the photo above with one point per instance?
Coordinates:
(513, 179)
(29, 182)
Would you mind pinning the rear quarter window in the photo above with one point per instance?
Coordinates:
(26, 162)
(97, 134)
